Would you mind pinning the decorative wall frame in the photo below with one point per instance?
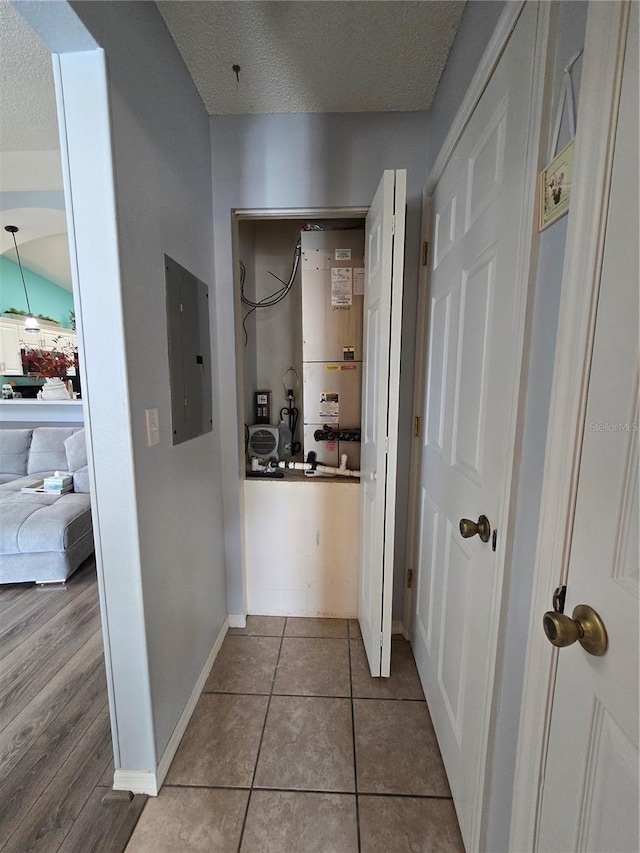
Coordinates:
(555, 187)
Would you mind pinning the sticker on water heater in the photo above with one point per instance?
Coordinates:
(341, 286)
(343, 254)
(358, 281)
(348, 353)
(329, 409)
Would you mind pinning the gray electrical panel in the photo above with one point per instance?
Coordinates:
(189, 353)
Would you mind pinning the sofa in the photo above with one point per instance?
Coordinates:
(43, 538)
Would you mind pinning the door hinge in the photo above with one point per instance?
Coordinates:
(409, 578)
(386, 444)
(381, 640)
(425, 253)
(417, 426)
(393, 224)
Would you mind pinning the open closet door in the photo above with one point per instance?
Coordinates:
(384, 259)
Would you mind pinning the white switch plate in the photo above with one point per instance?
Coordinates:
(153, 427)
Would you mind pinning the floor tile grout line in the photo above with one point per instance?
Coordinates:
(273, 789)
(264, 726)
(315, 696)
(355, 760)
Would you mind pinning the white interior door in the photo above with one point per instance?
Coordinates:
(384, 259)
(478, 215)
(590, 794)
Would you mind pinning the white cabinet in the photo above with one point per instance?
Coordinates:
(10, 361)
(316, 574)
(13, 338)
(56, 339)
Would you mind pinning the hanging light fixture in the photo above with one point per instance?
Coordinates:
(30, 322)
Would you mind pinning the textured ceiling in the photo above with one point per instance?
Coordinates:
(294, 56)
(27, 97)
(308, 56)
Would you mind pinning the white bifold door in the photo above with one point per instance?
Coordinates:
(479, 215)
(384, 258)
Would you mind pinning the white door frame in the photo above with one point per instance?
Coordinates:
(419, 374)
(257, 214)
(505, 26)
(599, 98)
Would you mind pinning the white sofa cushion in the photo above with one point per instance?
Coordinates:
(47, 451)
(14, 452)
(81, 480)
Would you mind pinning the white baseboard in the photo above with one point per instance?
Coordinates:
(237, 620)
(136, 781)
(144, 782)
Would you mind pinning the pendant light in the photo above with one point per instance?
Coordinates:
(30, 322)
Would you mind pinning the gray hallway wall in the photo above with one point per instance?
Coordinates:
(310, 160)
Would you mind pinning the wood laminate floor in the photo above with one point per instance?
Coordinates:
(56, 760)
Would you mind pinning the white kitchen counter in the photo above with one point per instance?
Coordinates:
(28, 413)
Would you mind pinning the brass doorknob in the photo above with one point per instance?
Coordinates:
(585, 626)
(481, 528)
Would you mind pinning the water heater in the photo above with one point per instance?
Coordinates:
(332, 298)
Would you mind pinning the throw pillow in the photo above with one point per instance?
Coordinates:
(76, 450)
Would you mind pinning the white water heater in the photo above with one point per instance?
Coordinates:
(332, 297)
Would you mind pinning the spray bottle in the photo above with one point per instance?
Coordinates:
(285, 441)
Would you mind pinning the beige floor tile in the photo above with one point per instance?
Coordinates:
(354, 629)
(408, 825)
(307, 745)
(404, 682)
(396, 749)
(221, 743)
(313, 667)
(190, 820)
(307, 627)
(286, 822)
(244, 665)
(261, 626)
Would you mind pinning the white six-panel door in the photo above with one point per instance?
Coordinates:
(473, 344)
(384, 259)
(590, 794)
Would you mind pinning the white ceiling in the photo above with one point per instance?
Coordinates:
(313, 56)
(27, 98)
(29, 149)
(294, 56)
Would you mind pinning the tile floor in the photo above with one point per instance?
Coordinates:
(294, 748)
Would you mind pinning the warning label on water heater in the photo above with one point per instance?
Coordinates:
(329, 406)
(341, 286)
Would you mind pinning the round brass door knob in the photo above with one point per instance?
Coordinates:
(585, 626)
(481, 528)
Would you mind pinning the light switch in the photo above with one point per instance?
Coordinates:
(153, 427)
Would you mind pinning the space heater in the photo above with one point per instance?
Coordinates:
(263, 441)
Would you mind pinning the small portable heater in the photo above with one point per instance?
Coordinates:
(263, 441)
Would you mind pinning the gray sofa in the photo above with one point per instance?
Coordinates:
(43, 538)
